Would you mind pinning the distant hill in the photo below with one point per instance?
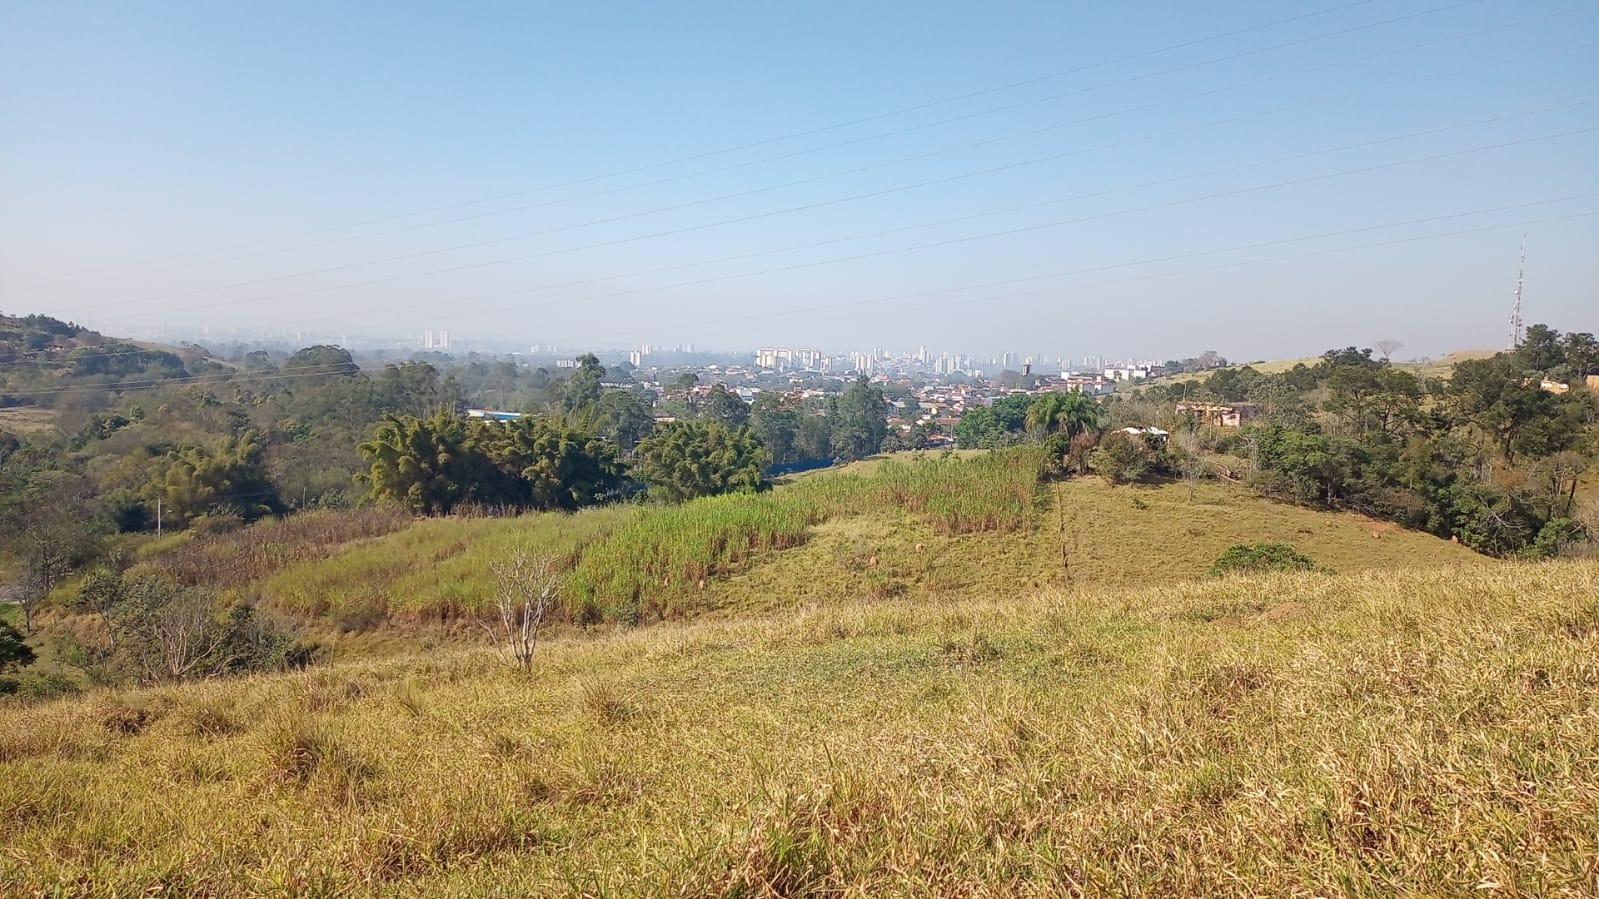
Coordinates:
(1430, 368)
(48, 363)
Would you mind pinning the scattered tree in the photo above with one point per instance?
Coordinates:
(526, 587)
(14, 655)
(860, 421)
(1388, 347)
(724, 406)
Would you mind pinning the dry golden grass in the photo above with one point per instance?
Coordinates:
(27, 420)
(1370, 734)
(1087, 533)
(1440, 368)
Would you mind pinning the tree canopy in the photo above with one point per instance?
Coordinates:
(687, 459)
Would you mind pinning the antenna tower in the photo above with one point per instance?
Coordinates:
(1515, 311)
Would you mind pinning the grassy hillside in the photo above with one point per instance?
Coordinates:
(975, 526)
(27, 420)
(1351, 734)
(1441, 367)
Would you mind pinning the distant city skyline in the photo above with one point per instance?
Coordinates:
(1262, 179)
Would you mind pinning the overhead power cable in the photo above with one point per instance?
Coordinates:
(456, 301)
(327, 368)
(794, 135)
(888, 164)
(1008, 232)
(57, 356)
(849, 304)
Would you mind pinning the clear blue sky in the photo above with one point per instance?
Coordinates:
(305, 164)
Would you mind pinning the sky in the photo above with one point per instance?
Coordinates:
(1132, 179)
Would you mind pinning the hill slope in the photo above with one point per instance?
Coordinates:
(1366, 734)
(356, 570)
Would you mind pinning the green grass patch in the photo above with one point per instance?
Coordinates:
(433, 570)
(669, 561)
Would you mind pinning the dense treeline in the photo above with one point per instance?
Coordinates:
(1493, 456)
(261, 436)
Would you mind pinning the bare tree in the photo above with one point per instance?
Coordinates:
(1559, 475)
(1190, 459)
(47, 537)
(188, 640)
(1388, 348)
(170, 632)
(526, 586)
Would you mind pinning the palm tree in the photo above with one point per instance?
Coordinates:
(1071, 413)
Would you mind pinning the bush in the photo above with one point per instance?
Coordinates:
(1554, 538)
(34, 686)
(1122, 458)
(1247, 558)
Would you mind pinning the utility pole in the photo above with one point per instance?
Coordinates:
(1515, 311)
(158, 516)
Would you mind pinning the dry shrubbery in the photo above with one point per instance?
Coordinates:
(225, 558)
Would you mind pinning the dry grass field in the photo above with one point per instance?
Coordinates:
(908, 678)
(1363, 734)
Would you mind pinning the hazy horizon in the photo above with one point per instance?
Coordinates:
(1151, 179)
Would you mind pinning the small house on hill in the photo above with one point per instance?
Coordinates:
(1221, 415)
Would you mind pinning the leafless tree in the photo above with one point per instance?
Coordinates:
(187, 639)
(1388, 348)
(1190, 459)
(1559, 475)
(49, 535)
(526, 586)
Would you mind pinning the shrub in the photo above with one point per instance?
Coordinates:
(1243, 558)
(1554, 538)
(1122, 458)
(35, 686)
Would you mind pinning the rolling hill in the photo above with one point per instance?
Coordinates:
(363, 580)
(1370, 733)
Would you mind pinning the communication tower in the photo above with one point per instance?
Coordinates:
(1515, 311)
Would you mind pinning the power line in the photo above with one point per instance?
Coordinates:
(665, 233)
(1099, 216)
(1029, 228)
(905, 110)
(85, 353)
(852, 141)
(812, 310)
(703, 201)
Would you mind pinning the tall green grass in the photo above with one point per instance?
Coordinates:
(359, 569)
(436, 570)
(659, 564)
(646, 568)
